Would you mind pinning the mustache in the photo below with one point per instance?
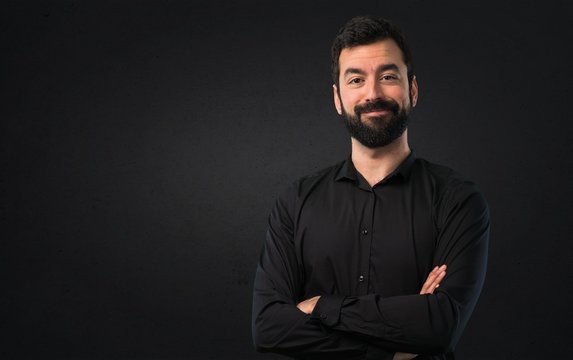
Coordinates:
(379, 104)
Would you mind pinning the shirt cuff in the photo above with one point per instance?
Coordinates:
(327, 310)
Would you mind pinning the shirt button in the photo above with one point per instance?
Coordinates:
(361, 278)
(323, 316)
(364, 231)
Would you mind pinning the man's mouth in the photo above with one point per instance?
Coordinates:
(380, 108)
(376, 112)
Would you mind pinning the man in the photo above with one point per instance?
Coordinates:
(382, 256)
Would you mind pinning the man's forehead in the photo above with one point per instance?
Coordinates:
(384, 51)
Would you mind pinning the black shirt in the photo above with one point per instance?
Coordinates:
(367, 252)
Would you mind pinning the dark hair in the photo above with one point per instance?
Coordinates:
(364, 30)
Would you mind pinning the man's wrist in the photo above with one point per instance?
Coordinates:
(327, 309)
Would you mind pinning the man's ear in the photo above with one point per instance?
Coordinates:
(337, 102)
(414, 91)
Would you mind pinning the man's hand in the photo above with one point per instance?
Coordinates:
(403, 356)
(308, 305)
(433, 280)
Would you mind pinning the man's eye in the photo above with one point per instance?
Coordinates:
(355, 81)
(389, 77)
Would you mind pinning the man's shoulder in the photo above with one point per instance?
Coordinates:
(307, 183)
(446, 183)
(440, 174)
(324, 174)
(304, 185)
(437, 172)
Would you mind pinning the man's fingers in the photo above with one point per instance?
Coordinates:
(434, 279)
(404, 356)
(437, 281)
(426, 288)
(307, 306)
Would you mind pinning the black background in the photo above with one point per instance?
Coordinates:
(144, 142)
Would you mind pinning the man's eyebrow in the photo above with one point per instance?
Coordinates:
(381, 68)
(353, 71)
(386, 67)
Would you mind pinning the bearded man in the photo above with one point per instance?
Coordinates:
(382, 256)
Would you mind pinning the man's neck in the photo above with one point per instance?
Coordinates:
(375, 164)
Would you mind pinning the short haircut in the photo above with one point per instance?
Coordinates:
(365, 30)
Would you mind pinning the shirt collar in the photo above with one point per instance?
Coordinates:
(349, 172)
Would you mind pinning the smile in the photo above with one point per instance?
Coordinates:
(376, 112)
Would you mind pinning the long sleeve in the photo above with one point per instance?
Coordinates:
(277, 324)
(426, 324)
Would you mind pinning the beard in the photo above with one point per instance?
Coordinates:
(377, 131)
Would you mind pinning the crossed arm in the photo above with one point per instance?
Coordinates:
(432, 282)
(371, 326)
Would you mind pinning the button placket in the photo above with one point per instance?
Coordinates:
(366, 237)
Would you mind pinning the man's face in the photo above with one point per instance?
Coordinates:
(374, 95)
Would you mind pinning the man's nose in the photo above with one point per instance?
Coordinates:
(374, 90)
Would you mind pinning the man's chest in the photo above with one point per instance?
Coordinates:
(379, 241)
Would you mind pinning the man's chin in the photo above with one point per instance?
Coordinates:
(375, 122)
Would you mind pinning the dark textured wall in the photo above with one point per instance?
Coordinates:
(143, 144)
